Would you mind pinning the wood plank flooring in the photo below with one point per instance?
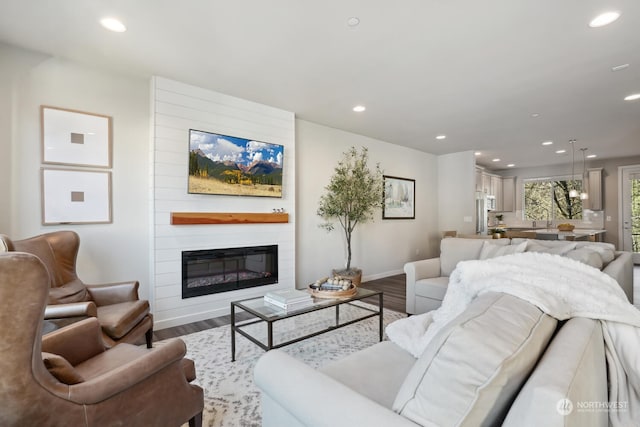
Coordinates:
(393, 288)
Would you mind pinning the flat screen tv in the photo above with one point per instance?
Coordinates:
(229, 165)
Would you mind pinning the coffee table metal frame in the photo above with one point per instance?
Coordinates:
(270, 314)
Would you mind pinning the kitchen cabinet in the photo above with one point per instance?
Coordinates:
(483, 181)
(502, 188)
(594, 202)
(486, 183)
(508, 194)
(496, 191)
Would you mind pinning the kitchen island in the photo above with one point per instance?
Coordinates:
(593, 235)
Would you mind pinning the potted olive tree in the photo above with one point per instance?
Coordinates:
(354, 193)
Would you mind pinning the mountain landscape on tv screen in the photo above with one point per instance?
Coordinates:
(234, 166)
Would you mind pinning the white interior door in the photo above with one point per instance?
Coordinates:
(630, 210)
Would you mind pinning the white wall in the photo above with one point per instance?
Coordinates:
(143, 194)
(108, 252)
(178, 107)
(14, 64)
(456, 196)
(380, 247)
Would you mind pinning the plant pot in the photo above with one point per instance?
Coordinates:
(354, 274)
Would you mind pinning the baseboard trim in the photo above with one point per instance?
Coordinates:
(191, 318)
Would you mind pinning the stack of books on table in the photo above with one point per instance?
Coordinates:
(289, 299)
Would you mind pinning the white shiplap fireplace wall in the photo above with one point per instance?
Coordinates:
(176, 108)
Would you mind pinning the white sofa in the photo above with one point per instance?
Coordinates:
(478, 370)
(427, 280)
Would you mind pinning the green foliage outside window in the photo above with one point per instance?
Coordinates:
(549, 199)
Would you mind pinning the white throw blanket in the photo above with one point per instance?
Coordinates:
(562, 288)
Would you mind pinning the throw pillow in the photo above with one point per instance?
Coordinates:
(489, 250)
(60, 368)
(452, 251)
(605, 252)
(474, 367)
(586, 256)
(557, 249)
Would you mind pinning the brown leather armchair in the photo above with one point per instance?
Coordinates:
(78, 382)
(122, 315)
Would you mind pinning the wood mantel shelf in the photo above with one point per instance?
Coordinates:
(193, 218)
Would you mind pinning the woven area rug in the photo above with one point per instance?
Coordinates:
(230, 397)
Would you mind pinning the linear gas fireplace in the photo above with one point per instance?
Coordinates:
(211, 271)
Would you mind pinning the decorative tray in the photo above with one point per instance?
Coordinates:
(317, 292)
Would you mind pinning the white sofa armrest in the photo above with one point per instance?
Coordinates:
(621, 269)
(416, 270)
(423, 269)
(295, 394)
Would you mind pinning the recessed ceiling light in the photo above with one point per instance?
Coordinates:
(547, 143)
(510, 165)
(113, 24)
(441, 136)
(495, 160)
(620, 67)
(354, 21)
(632, 97)
(477, 153)
(604, 19)
(535, 115)
(359, 108)
(561, 151)
(592, 156)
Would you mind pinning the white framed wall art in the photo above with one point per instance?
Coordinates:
(75, 196)
(71, 137)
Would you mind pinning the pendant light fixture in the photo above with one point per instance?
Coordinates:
(573, 193)
(584, 195)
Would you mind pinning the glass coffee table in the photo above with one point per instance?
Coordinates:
(262, 312)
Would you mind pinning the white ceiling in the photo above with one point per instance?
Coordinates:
(475, 71)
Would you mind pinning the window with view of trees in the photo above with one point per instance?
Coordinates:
(549, 198)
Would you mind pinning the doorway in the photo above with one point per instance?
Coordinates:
(629, 190)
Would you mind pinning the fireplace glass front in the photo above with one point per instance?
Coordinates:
(212, 271)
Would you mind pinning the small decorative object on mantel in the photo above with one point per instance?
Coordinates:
(353, 194)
